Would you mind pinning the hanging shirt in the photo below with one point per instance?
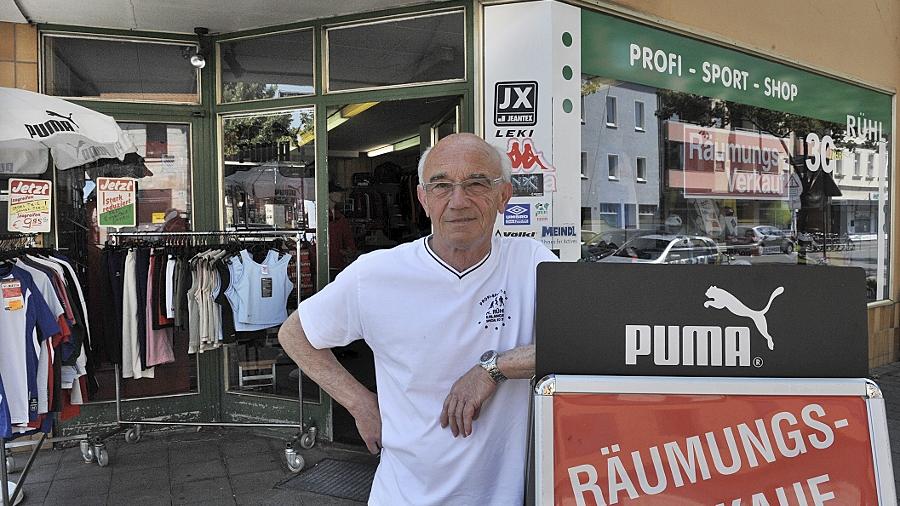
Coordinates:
(263, 289)
(22, 312)
(236, 272)
(5, 421)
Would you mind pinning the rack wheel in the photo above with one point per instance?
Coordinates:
(102, 456)
(295, 462)
(11, 464)
(132, 435)
(87, 451)
(308, 440)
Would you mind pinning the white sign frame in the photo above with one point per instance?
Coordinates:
(551, 385)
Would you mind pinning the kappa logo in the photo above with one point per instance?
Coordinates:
(721, 299)
(494, 307)
(523, 156)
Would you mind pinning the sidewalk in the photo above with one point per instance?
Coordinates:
(236, 466)
(214, 466)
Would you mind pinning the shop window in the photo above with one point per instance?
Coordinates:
(164, 203)
(613, 166)
(610, 111)
(639, 115)
(119, 69)
(419, 49)
(268, 169)
(641, 169)
(271, 66)
(713, 194)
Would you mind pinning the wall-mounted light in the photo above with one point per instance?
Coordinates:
(198, 59)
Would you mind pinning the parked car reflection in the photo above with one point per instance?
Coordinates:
(595, 246)
(759, 240)
(667, 249)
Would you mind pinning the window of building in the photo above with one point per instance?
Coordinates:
(418, 49)
(268, 169)
(638, 115)
(610, 214)
(610, 111)
(119, 69)
(641, 169)
(271, 66)
(613, 166)
(584, 165)
(646, 211)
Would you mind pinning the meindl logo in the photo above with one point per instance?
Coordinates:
(48, 128)
(30, 188)
(702, 345)
(117, 185)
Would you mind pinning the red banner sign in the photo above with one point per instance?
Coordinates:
(723, 450)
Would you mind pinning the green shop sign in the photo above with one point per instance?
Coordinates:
(628, 51)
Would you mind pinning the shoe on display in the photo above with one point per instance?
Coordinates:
(12, 488)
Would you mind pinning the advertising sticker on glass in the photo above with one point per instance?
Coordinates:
(29, 205)
(117, 201)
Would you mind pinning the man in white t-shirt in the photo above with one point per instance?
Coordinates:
(449, 318)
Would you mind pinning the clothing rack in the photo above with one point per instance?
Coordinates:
(94, 449)
(8, 242)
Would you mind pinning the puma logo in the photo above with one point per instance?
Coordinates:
(720, 299)
(58, 115)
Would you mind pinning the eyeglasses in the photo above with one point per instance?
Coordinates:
(473, 187)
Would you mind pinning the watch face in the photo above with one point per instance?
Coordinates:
(486, 355)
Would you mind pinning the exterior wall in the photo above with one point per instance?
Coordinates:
(599, 140)
(18, 56)
(863, 46)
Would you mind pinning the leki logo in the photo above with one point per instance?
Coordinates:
(702, 345)
(720, 299)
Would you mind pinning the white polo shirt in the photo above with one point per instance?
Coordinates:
(427, 324)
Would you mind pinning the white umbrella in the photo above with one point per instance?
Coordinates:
(33, 125)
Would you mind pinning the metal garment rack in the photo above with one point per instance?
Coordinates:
(94, 448)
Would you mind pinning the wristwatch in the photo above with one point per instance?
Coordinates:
(488, 362)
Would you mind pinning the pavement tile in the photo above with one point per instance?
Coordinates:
(196, 471)
(269, 498)
(253, 482)
(140, 461)
(81, 469)
(253, 463)
(307, 499)
(139, 481)
(37, 474)
(225, 501)
(35, 492)
(94, 488)
(145, 445)
(136, 498)
(202, 490)
(192, 452)
(245, 447)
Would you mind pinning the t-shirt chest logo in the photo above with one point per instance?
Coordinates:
(12, 295)
(493, 307)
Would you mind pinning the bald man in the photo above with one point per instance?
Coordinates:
(450, 320)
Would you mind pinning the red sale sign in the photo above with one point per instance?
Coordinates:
(729, 450)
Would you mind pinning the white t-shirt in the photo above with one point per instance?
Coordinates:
(427, 324)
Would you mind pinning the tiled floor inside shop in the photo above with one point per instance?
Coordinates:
(212, 466)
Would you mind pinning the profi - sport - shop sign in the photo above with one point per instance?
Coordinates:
(701, 321)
